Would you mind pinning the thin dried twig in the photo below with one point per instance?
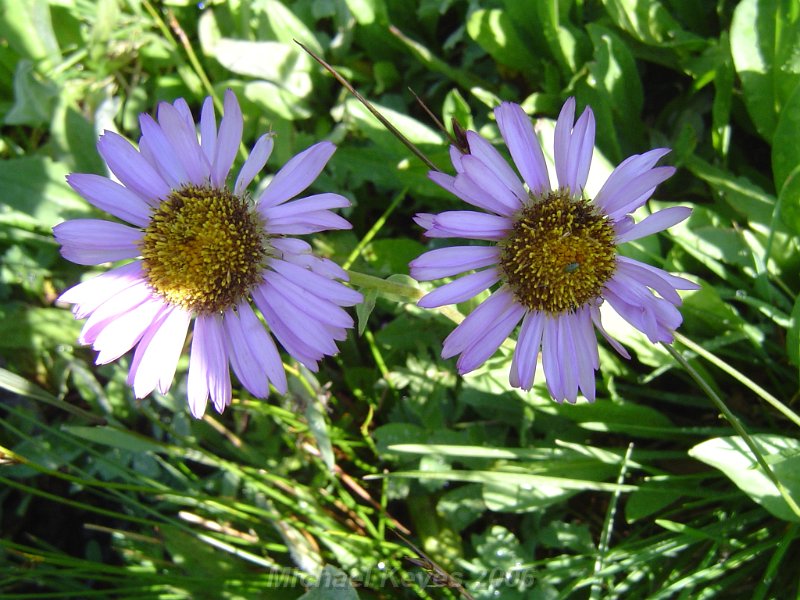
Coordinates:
(384, 121)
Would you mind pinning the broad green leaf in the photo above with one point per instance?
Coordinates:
(276, 100)
(285, 25)
(765, 44)
(462, 505)
(509, 497)
(367, 12)
(77, 138)
(613, 71)
(456, 107)
(34, 97)
(35, 187)
(564, 42)
(276, 62)
(28, 28)
(498, 547)
(416, 131)
(36, 328)
(571, 536)
(15, 384)
(650, 498)
(494, 31)
(785, 149)
(732, 456)
(650, 23)
(705, 311)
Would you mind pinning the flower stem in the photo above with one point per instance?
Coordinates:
(374, 229)
(398, 291)
(735, 423)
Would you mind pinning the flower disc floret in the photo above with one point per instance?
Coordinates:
(559, 254)
(204, 249)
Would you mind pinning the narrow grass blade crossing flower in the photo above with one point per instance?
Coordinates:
(205, 253)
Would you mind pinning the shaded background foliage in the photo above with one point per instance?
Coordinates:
(646, 493)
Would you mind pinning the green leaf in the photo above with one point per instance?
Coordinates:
(765, 44)
(498, 547)
(785, 149)
(284, 66)
(367, 12)
(34, 97)
(286, 27)
(364, 309)
(275, 100)
(723, 97)
(392, 255)
(789, 201)
(732, 456)
(742, 195)
(115, 438)
(318, 425)
(650, 498)
(28, 28)
(35, 328)
(613, 71)
(462, 505)
(35, 187)
(456, 107)
(77, 138)
(650, 23)
(564, 42)
(494, 31)
(793, 335)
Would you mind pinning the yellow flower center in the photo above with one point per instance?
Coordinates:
(204, 249)
(559, 254)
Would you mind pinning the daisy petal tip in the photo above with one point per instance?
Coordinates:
(424, 220)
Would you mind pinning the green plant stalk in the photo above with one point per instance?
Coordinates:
(741, 378)
(774, 562)
(396, 290)
(374, 229)
(736, 424)
(608, 525)
(193, 61)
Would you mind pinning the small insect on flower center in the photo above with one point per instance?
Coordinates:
(204, 249)
(559, 254)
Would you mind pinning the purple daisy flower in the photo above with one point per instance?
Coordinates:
(554, 253)
(205, 251)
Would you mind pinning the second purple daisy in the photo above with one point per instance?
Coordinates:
(553, 253)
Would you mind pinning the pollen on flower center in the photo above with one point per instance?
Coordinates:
(204, 249)
(559, 254)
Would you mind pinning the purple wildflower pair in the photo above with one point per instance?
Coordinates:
(201, 250)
